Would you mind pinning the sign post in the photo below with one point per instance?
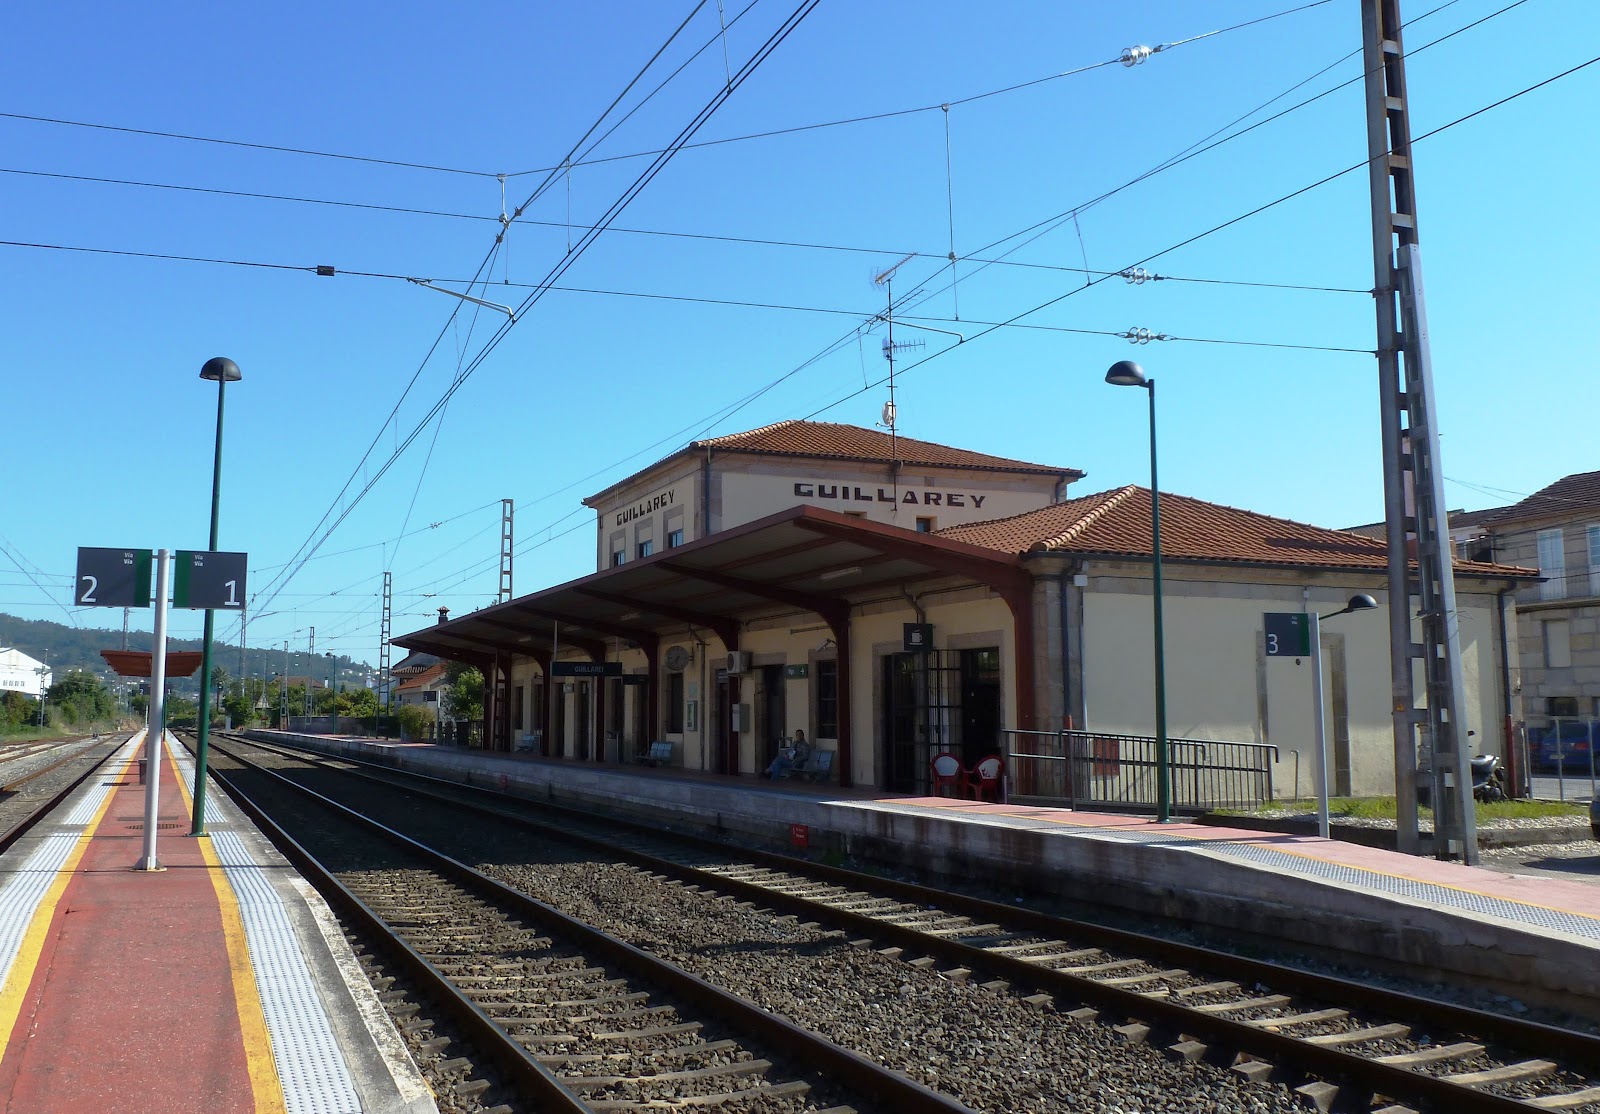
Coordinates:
(213, 581)
(153, 736)
(1293, 634)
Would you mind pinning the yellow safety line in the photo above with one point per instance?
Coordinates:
(264, 1081)
(20, 977)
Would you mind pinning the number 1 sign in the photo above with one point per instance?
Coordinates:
(210, 580)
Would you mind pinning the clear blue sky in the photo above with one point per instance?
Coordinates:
(108, 429)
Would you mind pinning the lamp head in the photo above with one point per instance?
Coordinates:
(221, 369)
(1126, 373)
(1362, 602)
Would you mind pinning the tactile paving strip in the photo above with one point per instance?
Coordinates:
(311, 1067)
(24, 889)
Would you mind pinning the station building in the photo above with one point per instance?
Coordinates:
(20, 672)
(895, 598)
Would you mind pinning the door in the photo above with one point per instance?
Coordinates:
(980, 704)
(581, 722)
(774, 722)
(901, 722)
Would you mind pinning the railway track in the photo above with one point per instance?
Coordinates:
(29, 798)
(1356, 1045)
(571, 1017)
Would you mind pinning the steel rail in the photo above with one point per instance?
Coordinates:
(897, 1091)
(1331, 1063)
(13, 786)
(23, 826)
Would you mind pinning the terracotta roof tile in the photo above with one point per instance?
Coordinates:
(427, 677)
(849, 442)
(1117, 523)
(1572, 494)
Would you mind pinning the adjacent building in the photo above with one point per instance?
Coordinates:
(21, 673)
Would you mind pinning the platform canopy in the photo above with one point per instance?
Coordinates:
(136, 663)
(802, 558)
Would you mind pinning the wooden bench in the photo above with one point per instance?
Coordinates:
(659, 754)
(818, 766)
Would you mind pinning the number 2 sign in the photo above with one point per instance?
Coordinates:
(112, 578)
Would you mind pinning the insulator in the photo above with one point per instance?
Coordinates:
(1138, 276)
(1141, 335)
(1133, 55)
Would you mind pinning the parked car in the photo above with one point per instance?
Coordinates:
(1567, 748)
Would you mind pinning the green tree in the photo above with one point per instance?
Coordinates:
(358, 702)
(81, 697)
(238, 707)
(465, 700)
(416, 721)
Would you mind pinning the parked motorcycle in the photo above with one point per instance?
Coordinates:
(1488, 780)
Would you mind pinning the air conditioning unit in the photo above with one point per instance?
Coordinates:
(738, 662)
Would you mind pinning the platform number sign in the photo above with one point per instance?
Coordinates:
(112, 578)
(209, 580)
(1288, 634)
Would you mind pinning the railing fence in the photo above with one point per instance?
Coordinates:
(1097, 769)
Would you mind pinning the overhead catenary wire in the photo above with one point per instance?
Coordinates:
(595, 230)
(1220, 227)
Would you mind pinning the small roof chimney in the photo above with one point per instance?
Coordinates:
(444, 615)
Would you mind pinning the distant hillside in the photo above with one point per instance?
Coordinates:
(79, 648)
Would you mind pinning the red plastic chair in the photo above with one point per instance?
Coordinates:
(987, 779)
(948, 773)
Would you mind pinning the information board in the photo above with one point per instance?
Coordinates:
(209, 579)
(1288, 634)
(586, 669)
(112, 578)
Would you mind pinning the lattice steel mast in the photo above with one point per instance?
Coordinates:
(1413, 481)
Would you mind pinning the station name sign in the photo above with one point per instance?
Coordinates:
(924, 498)
(659, 501)
(586, 669)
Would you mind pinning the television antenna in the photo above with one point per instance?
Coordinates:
(885, 279)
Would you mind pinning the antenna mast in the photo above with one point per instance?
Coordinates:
(885, 279)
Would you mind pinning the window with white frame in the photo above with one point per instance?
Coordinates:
(1552, 565)
(1594, 560)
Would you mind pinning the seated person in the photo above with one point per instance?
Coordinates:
(796, 754)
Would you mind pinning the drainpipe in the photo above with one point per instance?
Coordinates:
(705, 494)
(1516, 768)
(1064, 580)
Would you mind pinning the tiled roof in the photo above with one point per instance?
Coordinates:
(1574, 494)
(1117, 523)
(422, 680)
(833, 440)
(850, 442)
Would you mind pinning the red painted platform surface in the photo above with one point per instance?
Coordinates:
(131, 1005)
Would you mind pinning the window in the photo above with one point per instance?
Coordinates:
(1561, 705)
(827, 674)
(1557, 645)
(1552, 565)
(647, 547)
(674, 538)
(675, 703)
(924, 525)
(617, 557)
(1594, 560)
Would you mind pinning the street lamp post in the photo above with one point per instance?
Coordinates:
(1126, 373)
(1360, 602)
(223, 371)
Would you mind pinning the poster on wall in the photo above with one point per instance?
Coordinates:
(691, 717)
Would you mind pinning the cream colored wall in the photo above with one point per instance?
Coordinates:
(644, 509)
(748, 490)
(1213, 635)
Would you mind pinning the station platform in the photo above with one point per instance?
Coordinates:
(219, 983)
(1533, 938)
